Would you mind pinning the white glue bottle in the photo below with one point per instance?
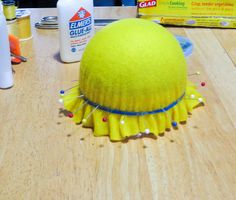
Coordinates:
(76, 27)
(6, 76)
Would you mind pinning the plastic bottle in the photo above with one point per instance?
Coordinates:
(76, 27)
(6, 77)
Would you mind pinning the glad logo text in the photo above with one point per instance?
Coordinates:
(145, 4)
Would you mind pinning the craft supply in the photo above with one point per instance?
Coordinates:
(14, 44)
(76, 28)
(133, 76)
(51, 22)
(24, 26)
(6, 77)
(213, 13)
(195, 73)
(15, 61)
(9, 9)
(12, 27)
(48, 22)
(40, 25)
(16, 57)
(21, 58)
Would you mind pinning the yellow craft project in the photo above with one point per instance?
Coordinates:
(132, 81)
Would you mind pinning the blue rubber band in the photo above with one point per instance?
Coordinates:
(121, 112)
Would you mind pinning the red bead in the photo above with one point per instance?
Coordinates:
(104, 119)
(203, 84)
(70, 115)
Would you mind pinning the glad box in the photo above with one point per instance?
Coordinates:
(205, 13)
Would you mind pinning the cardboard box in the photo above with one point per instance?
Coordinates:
(211, 13)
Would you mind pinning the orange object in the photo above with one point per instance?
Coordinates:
(15, 60)
(14, 45)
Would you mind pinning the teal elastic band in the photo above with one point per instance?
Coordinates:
(121, 112)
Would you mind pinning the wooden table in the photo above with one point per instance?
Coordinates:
(43, 155)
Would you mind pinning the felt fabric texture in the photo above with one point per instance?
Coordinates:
(131, 65)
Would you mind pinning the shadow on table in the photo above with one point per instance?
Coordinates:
(56, 56)
(63, 112)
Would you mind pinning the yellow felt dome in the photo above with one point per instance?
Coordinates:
(133, 79)
(133, 65)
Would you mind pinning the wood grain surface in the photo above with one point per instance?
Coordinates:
(43, 155)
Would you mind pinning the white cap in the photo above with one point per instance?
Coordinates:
(6, 80)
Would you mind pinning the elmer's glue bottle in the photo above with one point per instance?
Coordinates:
(6, 77)
(76, 27)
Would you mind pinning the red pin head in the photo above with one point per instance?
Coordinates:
(203, 84)
(104, 119)
(70, 115)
